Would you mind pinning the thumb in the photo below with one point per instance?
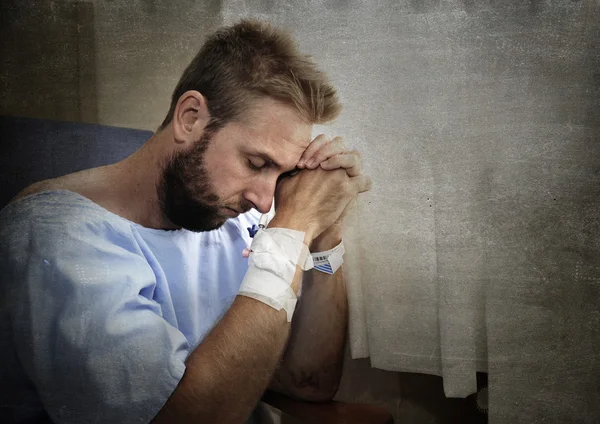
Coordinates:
(362, 183)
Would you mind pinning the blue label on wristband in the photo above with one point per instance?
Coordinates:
(324, 268)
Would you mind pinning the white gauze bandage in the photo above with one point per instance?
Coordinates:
(274, 254)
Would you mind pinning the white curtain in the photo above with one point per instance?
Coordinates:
(478, 247)
(409, 309)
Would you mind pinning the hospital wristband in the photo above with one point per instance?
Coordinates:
(330, 260)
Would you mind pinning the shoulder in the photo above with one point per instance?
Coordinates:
(37, 187)
(62, 197)
(44, 213)
(59, 235)
(77, 182)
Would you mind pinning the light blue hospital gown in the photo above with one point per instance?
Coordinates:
(98, 314)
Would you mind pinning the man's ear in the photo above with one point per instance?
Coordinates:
(190, 118)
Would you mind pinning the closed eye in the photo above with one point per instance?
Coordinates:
(256, 166)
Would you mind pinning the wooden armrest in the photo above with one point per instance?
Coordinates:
(332, 412)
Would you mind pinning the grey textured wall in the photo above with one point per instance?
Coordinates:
(488, 111)
(47, 66)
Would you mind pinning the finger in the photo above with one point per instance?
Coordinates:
(350, 162)
(334, 147)
(312, 148)
(362, 183)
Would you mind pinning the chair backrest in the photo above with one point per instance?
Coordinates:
(36, 149)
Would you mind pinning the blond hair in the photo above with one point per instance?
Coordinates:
(253, 59)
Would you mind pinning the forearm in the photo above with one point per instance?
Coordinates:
(228, 372)
(312, 362)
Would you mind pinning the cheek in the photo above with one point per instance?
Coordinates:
(227, 177)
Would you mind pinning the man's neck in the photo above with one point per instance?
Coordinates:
(135, 179)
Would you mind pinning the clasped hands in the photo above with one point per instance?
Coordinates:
(330, 155)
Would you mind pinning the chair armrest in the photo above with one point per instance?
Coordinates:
(332, 412)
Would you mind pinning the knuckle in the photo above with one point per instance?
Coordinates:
(346, 186)
(318, 159)
(341, 174)
(325, 140)
(344, 190)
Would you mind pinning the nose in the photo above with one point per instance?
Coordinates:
(261, 195)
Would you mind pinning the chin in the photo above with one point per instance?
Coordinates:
(204, 225)
(186, 212)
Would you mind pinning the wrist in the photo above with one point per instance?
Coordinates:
(281, 222)
(327, 240)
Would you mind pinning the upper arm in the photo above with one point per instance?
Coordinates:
(93, 346)
(32, 189)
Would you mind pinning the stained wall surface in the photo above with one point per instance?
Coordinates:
(480, 125)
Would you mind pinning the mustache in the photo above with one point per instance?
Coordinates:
(242, 208)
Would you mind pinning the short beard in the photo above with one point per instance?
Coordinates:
(185, 194)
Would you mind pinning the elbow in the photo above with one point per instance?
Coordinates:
(319, 395)
(314, 393)
(310, 384)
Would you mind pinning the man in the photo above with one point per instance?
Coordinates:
(125, 295)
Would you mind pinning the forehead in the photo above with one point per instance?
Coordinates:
(277, 130)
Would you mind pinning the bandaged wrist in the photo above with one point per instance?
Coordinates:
(274, 254)
(330, 260)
